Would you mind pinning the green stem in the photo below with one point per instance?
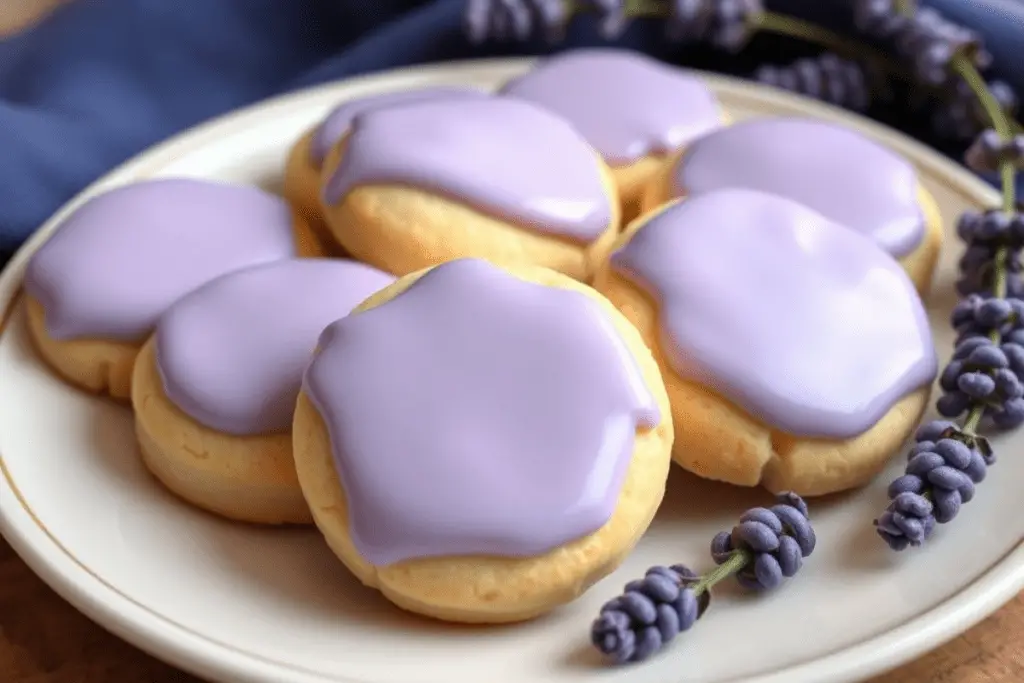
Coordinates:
(963, 66)
(737, 561)
(645, 8)
(793, 27)
(905, 7)
(973, 420)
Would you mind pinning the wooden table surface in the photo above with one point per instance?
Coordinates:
(45, 640)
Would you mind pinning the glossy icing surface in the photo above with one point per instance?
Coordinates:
(801, 322)
(625, 104)
(830, 168)
(115, 265)
(505, 157)
(478, 414)
(337, 122)
(231, 354)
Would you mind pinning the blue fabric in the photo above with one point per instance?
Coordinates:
(100, 80)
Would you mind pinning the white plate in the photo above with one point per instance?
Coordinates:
(237, 603)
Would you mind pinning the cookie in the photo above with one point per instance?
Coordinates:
(837, 172)
(97, 287)
(497, 178)
(482, 445)
(797, 354)
(312, 237)
(634, 110)
(306, 159)
(214, 388)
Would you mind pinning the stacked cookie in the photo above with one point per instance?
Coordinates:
(447, 350)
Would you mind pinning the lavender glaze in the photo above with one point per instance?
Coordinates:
(231, 354)
(829, 168)
(502, 156)
(337, 122)
(478, 414)
(118, 262)
(803, 323)
(625, 104)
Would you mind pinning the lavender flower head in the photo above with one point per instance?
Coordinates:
(514, 20)
(649, 614)
(777, 540)
(924, 38)
(985, 234)
(725, 24)
(826, 77)
(983, 372)
(518, 20)
(766, 545)
(942, 469)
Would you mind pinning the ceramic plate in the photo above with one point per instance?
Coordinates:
(238, 603)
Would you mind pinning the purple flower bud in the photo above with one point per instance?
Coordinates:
(953, 404)
(951, 375)
(954, 453)
(986, 357)
(932, 431)
(1008, 385)
(976, 385)
(1010, 415)
(1005, 96)
(966, 347)
(649, 613)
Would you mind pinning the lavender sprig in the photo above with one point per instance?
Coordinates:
(725, 24)
(922, 37)
(519, 20)
(767, 545)
(826, 77)
(984, 377)
(511, 20)
(942, 469)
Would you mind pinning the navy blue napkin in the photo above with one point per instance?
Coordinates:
(100, 80)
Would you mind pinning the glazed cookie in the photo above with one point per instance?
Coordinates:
(214, 389)
(302, 172)
(312, 237)
(634, 110)
(797, 354)
(837, 172)
(96, 288)
(497, 178)
(482, 445)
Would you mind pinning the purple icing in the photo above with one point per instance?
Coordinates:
(503, 156)
(803, 323)
(116, 264)
(833, 170)
(478, 414)
(231, 354)
(625, 104)
(337, 122)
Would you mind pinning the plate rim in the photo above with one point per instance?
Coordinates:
(179, 646)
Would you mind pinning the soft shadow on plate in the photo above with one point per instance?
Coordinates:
(692, 500)
(107, 424)
(861, 549)
(303, 571)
